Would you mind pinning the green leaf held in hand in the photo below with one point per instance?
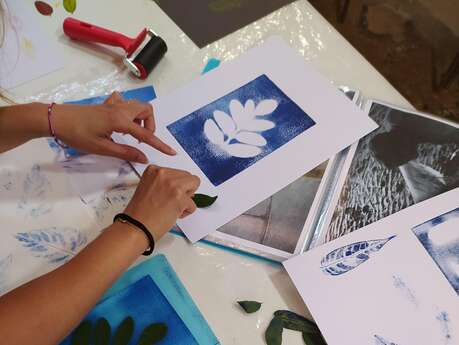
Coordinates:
(295, 322)
(124, 332)
(250, 306)
(313, 339)
(273, 334)
(102, 332)
(202, 200)
(70, 5)
(82, 334)
(153, 334)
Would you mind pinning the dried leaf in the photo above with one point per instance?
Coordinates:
(202, 200)
(153, 334)
(82, 334)
(313, 339)
(44, 8)
(124, 332)
(250, 306)
(213, 133)
(102, 332)
(273, 334)
(295, 322)
(70, 5)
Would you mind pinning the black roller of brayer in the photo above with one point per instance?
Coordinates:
(150, 55)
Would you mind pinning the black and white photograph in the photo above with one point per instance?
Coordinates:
(411, 157)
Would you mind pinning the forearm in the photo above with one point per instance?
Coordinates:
(48, 308)
(21, 123)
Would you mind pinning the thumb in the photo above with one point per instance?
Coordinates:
(125, 152)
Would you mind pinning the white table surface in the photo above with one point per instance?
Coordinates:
(214, 277)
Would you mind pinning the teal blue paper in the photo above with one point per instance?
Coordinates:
(211, 64)
(142, 94)
(164, 276)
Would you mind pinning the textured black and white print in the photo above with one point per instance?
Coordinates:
(408, 159)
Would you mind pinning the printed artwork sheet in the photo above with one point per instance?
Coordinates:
(27, 52)
(411, 157)
(394, 282)
(250, 128)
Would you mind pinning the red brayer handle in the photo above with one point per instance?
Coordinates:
(82, 31)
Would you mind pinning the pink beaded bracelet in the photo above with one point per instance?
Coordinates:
(51, 127)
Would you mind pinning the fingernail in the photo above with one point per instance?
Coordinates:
(143, 160)
(173, 152)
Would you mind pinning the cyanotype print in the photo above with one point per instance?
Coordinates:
(444, 321)
(230, 134)
(347, 258)
(146, 304)
(408, 294)
(56, 245)
(381, 341)
(440, 237)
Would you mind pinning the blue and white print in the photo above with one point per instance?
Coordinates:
(381, 341)
(56, 245)
(345, 259)
(440, 237)
(36, 188)
(230, 134)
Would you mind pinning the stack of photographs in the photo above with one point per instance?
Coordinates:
(411, 157)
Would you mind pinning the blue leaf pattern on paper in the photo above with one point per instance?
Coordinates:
(56, 245)
(36, 186)
(381, 341)
(347, 258)
(4, 266)
(444, 320)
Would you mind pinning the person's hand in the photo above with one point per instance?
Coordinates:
(162, 196)
(88, 128)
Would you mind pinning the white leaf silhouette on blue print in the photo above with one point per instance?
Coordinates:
(440, 238)
(232, 133)
(347, 258)
(381, 341)
(56, 245)
(238, 134)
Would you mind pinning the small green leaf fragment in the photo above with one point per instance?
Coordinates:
(250, 306)
(102, 332)
(202, 200)
(124, 332)
(153, 334)
(273, 334)
(313, 339)
(295, 322)
(70, 5)
(82, 334)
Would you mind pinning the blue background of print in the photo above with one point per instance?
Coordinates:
(289, 118)
(440, 254)
(145, 303)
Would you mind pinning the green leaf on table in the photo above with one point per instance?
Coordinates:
(273, 334)
(153, 334)
(124, 332)
(250, 306)
(70, 5)
(202, 200)
(102, 332)
(313, 339)
(43, 8)
(295, 322)
(82, 334)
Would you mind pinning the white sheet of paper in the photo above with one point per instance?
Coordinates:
(27, 52)
(250, 80)
(406, 292)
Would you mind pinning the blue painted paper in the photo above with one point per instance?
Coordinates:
(143, 94)
(211, 64)
(146, 304)
(443, 251)
(232, 133)
(345, 259)
(164, 276)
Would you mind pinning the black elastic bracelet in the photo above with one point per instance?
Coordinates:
(124, 218)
